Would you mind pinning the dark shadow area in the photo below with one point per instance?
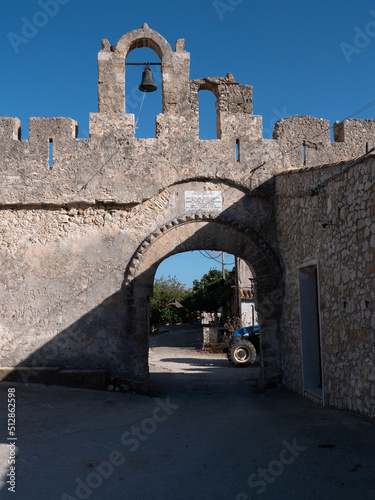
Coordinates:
(74, 358)
(211, 440)
(184, 335)
(197, 362)
(202, 383)
(176, 343)
(212, 363)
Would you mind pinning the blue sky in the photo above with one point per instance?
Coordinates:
(314, 58)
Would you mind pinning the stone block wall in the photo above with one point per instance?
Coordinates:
(305, 140)
(326, 216)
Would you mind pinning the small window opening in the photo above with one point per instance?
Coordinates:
(304, 152)
(238, 149)
(50, 153)
(366, 147)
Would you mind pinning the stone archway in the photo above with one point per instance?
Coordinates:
(205, 232)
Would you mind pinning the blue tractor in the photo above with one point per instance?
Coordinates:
(243, 348)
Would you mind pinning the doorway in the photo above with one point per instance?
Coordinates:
(310, 329)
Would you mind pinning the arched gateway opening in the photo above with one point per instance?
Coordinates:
(204, 232)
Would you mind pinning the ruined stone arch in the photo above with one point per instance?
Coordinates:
(219, 88)
(205, 231)
(211, 111)
(206, 84)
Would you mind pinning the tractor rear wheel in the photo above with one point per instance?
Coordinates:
(241, 353)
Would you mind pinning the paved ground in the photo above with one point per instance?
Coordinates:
(177, 364)
(206, 436)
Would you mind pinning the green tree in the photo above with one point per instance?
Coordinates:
(166, 292)
(210, 293)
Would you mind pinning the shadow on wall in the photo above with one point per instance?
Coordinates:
(92, 350)
(111, 341)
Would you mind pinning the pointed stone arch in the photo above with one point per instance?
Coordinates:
(205, 232)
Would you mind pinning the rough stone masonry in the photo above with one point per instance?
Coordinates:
(81, 241)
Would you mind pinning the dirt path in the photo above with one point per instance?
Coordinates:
(177, 364)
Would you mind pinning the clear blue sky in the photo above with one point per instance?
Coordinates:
(314, 58)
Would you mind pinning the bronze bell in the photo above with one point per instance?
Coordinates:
(147, 83)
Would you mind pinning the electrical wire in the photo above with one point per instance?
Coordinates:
(211, 256)
(215, 258)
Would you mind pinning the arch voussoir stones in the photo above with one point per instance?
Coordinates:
(203, 232)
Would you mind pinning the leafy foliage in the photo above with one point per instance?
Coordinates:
(166, 292)
(210, 293)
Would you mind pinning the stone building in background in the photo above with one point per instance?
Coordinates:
(244, 297)
(81, 241)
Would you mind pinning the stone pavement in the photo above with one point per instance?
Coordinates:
(202, 436)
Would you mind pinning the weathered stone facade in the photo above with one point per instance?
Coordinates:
(81, 241)
(325, 216)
